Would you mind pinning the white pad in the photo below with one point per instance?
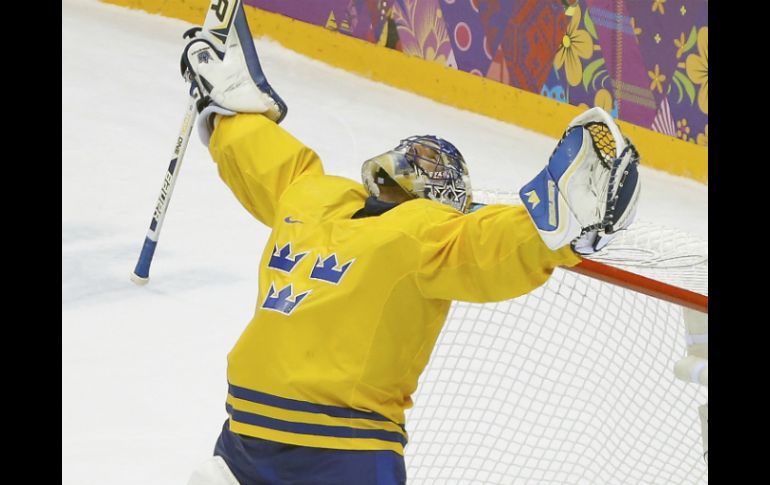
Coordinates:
(213, 471)
(206, 123)
(228, 82)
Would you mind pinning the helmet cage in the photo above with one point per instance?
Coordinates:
(425, 167)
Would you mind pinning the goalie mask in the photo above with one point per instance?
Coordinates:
(426, 167)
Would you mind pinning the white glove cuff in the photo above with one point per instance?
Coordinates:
(206, 121)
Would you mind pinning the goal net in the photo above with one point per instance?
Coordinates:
(570, 384)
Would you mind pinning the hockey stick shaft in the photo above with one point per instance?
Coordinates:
(141, 273)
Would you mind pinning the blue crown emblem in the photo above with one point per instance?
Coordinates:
(282, 302)
(280, 260)
(326, 271)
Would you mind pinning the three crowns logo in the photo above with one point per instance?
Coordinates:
(284, 300)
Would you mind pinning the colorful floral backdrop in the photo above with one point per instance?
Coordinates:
(645, 61)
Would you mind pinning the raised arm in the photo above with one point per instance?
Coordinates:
(239, 116)
(259, 160)
(492, 254)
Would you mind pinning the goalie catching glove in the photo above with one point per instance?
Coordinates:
(590, 188)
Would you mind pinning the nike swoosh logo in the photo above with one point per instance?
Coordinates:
(289, 220)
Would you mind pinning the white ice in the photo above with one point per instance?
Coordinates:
(143, 368)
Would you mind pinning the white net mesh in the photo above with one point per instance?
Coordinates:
(572, 383)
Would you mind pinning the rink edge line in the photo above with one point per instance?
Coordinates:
(439, 83)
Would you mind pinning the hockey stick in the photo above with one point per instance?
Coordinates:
(216, 28)
(141, 273)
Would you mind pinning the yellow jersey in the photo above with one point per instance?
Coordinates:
(349, 309)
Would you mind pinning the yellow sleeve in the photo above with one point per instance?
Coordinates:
(492, 254)
(259, 160)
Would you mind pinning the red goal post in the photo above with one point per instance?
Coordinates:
(642, 284)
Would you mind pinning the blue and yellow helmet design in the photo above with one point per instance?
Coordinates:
(426, 167)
